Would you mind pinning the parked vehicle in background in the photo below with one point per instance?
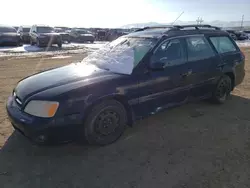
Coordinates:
(101, 35)
(64, 32)
(9, 36)
(248, 33)
(237, 35)
(81, 35)
(137, 75)
(24, 33)
(42, 35)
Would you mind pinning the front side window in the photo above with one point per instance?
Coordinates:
(223, 44)
(169, 53)
(198, 48)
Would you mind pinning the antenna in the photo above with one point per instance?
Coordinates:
(199, 20)
(242, 21)
(177, 18)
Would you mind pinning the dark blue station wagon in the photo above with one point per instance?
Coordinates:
(139, 74)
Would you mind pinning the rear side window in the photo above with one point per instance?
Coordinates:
(198, 48)
(223, 44)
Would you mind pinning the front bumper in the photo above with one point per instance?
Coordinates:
(50, 40)
(58, 129)
(25, 38)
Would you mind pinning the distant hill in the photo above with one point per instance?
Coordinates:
(214, 23)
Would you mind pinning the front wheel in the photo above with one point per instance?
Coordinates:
(222, 90)
(105, 123)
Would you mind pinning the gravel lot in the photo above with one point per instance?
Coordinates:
(197, 145)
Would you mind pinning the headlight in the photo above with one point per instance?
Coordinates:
(42, 108)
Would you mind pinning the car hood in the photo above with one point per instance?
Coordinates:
(87, 73)
(9, 34)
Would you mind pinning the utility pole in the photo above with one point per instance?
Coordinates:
(242, 20)
(199, 20)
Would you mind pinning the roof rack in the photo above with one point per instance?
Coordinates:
(156, 27)
(178, 27)
(197, 26)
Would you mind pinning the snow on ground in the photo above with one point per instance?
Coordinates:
(72, 48)
(245, 43)
(29, 48)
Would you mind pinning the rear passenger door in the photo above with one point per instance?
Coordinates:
(232, 60)
(202, 62)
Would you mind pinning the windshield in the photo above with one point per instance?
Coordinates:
(45, 29)
(7, 30)
(83, 32)
(26, 29)
(121, 55)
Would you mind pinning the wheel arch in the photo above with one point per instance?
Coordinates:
(232, 77)
(121, 99)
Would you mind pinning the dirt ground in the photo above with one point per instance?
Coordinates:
(197, 145)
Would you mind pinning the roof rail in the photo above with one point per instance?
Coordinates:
(156, 27)
(197, 26)
(177, 27)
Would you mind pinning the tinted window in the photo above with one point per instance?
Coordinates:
(223, 44)
(170, 53)
(198, 48)
(45, 29)
(26, 29)
(82, 31)
(7, 30)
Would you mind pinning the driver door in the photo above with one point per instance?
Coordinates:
(166, 87)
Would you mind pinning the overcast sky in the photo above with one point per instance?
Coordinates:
(115, 13)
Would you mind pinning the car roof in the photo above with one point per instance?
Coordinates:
(42, 25)
(159, 31)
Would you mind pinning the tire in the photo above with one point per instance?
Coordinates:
(20, 43)
(222, 90)
(92, 41)
(59, 44)
(99, 127)
(38, 43)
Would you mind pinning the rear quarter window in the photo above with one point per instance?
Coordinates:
(223, 44)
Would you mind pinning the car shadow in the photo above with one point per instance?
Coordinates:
(30, 48)
(182, 146)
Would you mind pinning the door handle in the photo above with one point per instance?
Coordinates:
(188, 73)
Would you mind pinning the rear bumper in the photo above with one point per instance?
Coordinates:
(58, 129)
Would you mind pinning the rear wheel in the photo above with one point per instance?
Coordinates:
(222, 90)
(105, 123)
